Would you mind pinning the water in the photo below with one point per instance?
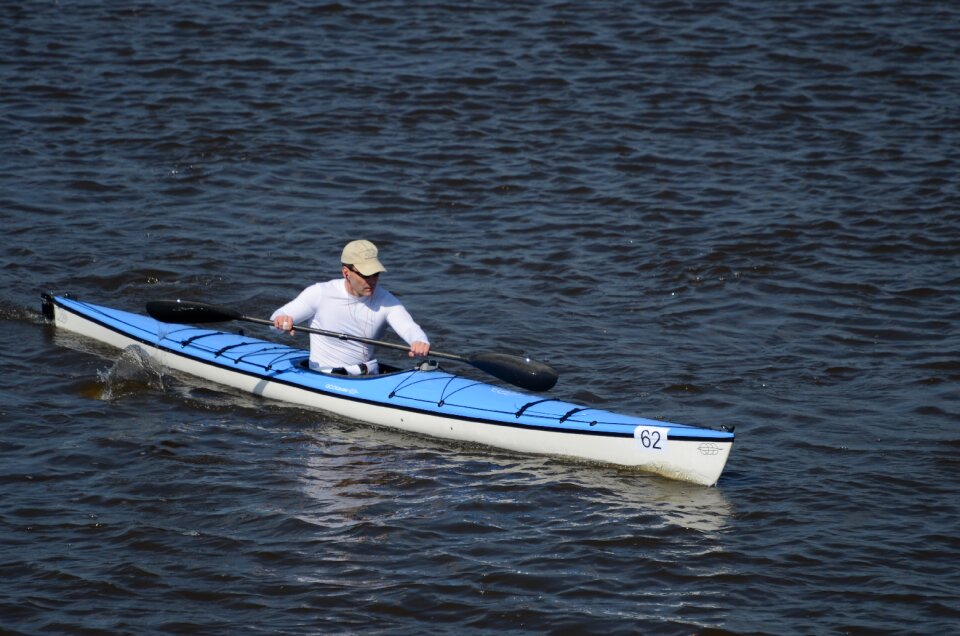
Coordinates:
(726, 213)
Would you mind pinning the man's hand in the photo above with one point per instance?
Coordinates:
(284, 322)
(419, 349)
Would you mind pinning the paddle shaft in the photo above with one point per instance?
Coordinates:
(343, 336)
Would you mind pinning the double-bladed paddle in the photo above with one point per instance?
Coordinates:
(517, 370)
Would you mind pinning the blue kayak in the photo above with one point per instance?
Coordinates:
(426, 399)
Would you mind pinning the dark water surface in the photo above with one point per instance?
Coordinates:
(726, 213)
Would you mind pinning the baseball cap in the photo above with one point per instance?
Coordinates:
(363, 256)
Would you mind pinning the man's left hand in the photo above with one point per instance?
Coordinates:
(419, 349)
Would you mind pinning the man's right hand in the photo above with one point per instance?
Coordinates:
(284, 322)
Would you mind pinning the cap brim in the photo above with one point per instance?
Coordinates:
(371, 267)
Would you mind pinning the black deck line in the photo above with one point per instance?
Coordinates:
(268, 376)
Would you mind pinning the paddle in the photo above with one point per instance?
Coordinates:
(517, 370)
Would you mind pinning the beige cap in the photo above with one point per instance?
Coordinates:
(363, 256)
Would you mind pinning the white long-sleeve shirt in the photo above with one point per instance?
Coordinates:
(330, 307)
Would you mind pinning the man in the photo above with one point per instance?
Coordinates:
(354, 305)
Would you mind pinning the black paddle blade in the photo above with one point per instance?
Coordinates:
(185, 311)
(517, 370)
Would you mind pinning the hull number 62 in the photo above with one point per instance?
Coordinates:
(652, 439)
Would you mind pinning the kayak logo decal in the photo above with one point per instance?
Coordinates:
(708, 448)
(341, 389)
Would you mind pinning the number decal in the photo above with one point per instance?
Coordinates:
(651, 439)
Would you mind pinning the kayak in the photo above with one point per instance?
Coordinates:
(426, 399)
